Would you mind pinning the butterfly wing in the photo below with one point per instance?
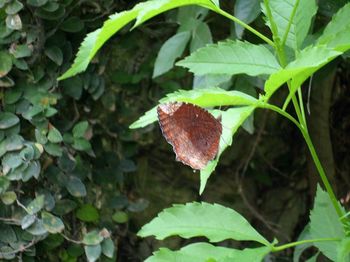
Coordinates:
(192, 131)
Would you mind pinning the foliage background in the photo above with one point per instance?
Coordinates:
(69, 141)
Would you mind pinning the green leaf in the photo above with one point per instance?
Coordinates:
(213, 221)
(170, 50)
(33, 170)
(37, 3)
(64, 206)
(142, 11)
(13, 7)
(72, 25)
(37, 229)
(307, 62)
(108, 247)
(344, 250)
(52, 223)
(208, 97)
(36, 205)
(75, 187)
(54, 135)
(7, 235)
(13, 143)
(281, 12)
(201, 36)
(27, 221)
(120, 217)
(304, 235)
(81, 144)
(53, 149)
(8, 198)
(92, 238)
(324, 223)
(21, 51)
(4, 184)
(80, 129)
(87, 213)
(55, 54)
(207, 252)
(231, 57)
(93, 252)
(5, 63)
(246, 11)
(8, 120)
(14, 22)
(336, 26)
(231, 120)
(73, 87)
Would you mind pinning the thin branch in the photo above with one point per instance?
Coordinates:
(20, 249)
(71, 240)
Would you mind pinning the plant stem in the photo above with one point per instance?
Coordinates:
(301, 242)
(249, 28)
(321, 171)
(290, 22)
(312, 150)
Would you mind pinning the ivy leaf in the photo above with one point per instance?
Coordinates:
(75, 187)
(8, 198)
(231, 57)
(52, 223)
(4, 184)
(14, 22)
(55, 54)
(54, 135)
(281, 12)
(208, 97)
(93, 252)
(208, 252)
(7, 235)
(108, 248)
(80, 129)
(72, 25)
(120, 217)
(5, 63)
(21, 51)
(27, 221)
(8, 120)
(87, 213)
(81, 144)
(36, 205)
(37, 229)
(13, 7)
(37, 3)
(213, 221)
(142, 12)
(307, 62)
(170, 50)
(92, 238)
(324, 223)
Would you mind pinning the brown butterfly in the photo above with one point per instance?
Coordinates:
(193, 132)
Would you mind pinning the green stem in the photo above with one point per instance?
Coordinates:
(321, 172)
(290, 23)
(249, 28)
(297, 243)
(281, 112)
(312, 150)
(281, 54)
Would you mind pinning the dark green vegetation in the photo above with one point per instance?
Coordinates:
(75, 179)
